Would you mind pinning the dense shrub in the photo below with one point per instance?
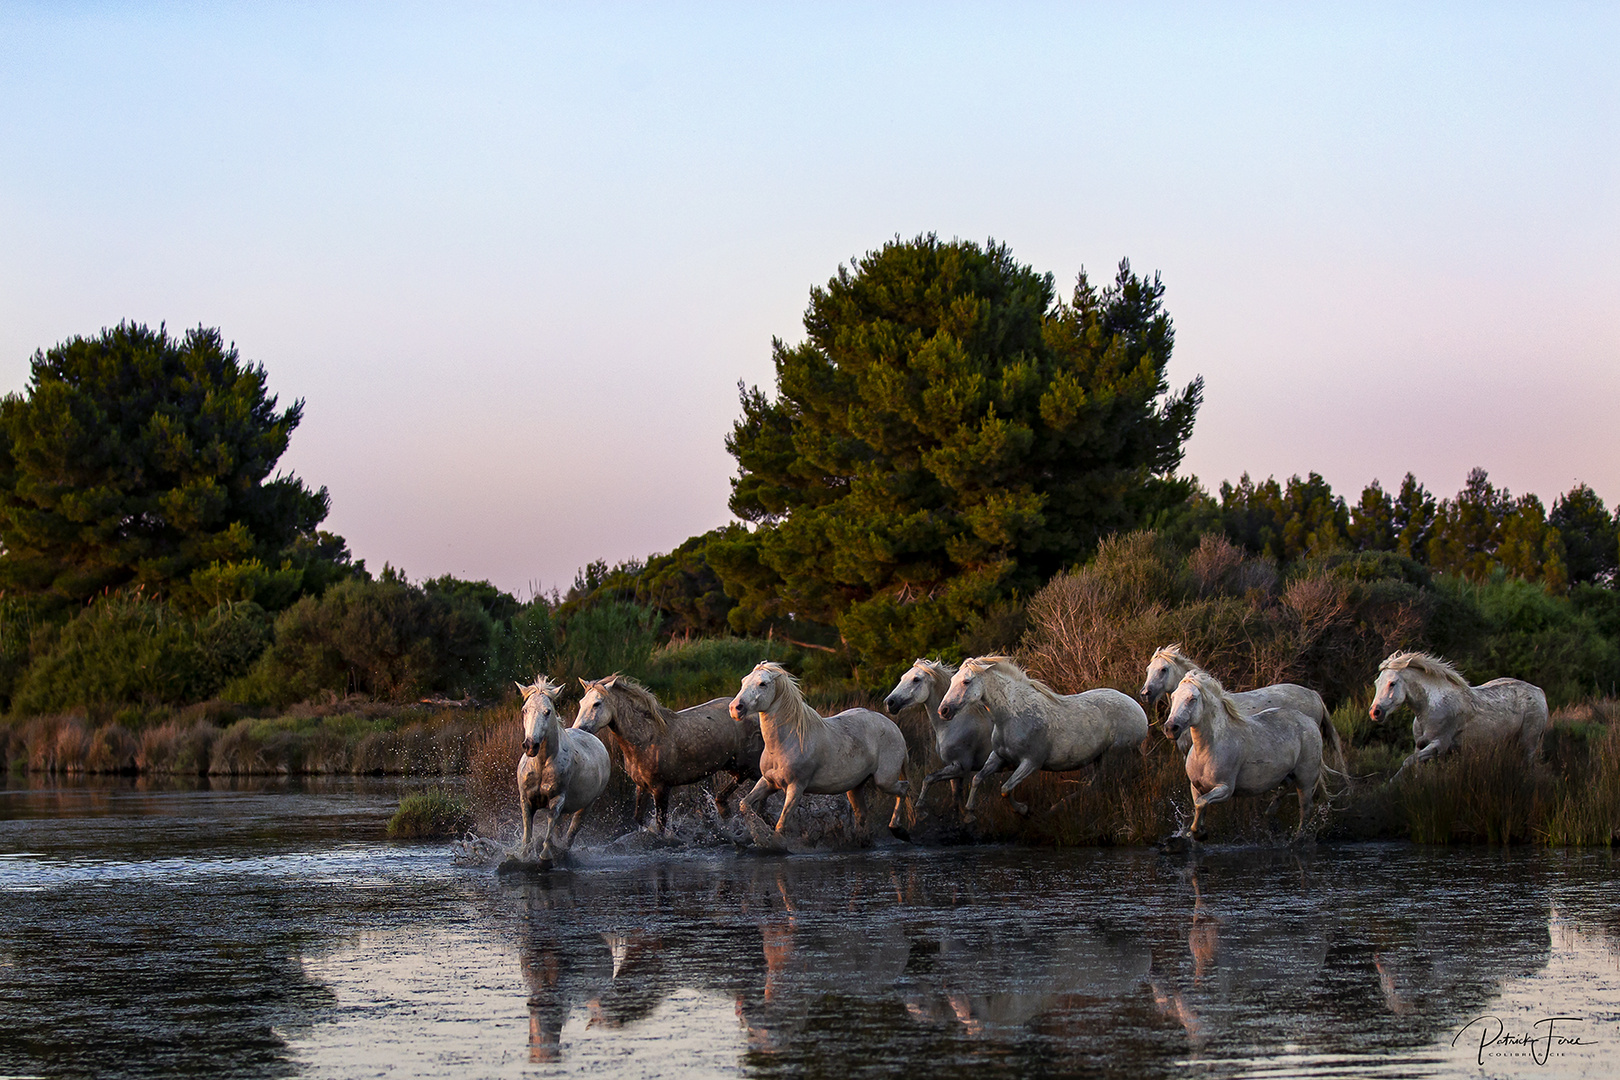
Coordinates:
(607, 637)
(1326, 623)
(384, 638)
(118, 650)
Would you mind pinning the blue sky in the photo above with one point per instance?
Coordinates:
(515, 259)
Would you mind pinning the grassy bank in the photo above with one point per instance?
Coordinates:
(344, 738)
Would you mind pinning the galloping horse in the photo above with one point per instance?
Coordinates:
(823, 755)
(562, 769)
(1449, 711)
(1234, 753)
(1035, 726)
(664, 749)
(1170, 665)
(963, 742)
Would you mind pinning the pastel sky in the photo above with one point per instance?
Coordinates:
(516, 259)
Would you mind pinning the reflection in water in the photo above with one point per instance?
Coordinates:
(265, 933)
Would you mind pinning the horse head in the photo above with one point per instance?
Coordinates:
(540, 719)
(596, 707)
(759, 690)
(913, 688)
(1163, 672)
(967, 688)
(1389, 694)
(1188, 706)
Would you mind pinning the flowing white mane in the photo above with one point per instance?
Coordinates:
(789, 709)
(1425, 664)
(1174, 654)
(1008, 669)
(1211, 687)
(938, 670)
(542, 685)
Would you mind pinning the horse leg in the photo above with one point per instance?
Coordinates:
(857, 805)
(792, 796)
(573, 828)
(1020, 774)
(661, 808)
(528, 807)
(950, 772)
(1217, 793)
(547, 853)
(992, 765)
(723, 793)
(750, 801)
(635, 814)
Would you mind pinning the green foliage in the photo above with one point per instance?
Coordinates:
(522, 646)
(607, 637)
(1543, 639)
(689, 672)
(1484, 529)
(428, 815)
(1591, 536)
(137, 459)
(385, 638)
(1285, 524)
(681, 587)
(945, 438)
(133, 650)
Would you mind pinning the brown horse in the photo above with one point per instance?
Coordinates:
(664, 749)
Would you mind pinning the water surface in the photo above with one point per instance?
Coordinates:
(269, 930)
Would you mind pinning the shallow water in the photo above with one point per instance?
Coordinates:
(269, 930)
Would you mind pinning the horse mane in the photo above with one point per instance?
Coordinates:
(939, 670)
(1176, 653)
(1425, 664)
(1211, 686)
(543, 685)
(639, 696)
(793, 710)
(1009, 669)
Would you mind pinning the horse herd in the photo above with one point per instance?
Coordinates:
(988, 716)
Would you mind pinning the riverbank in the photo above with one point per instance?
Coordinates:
(1570, 797)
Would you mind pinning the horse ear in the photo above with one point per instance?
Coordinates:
(611, 679)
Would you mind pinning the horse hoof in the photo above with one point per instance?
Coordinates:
(900, 832)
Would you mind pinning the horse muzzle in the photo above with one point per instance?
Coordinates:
(946, 711)
(1374, 714)
(890, 707)
(531, 747)
(738, 713)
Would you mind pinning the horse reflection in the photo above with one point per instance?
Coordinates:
(811, 954)
(639, 980)
(991, 978)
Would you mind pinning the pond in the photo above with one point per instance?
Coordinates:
(263, 930)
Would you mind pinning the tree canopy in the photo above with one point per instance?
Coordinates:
(947, 436)
(138, 459)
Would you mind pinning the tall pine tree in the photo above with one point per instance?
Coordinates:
(946, 437)
(135, 458)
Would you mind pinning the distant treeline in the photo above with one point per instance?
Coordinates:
(952, 441)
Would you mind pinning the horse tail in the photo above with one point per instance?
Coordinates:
(1330, 738)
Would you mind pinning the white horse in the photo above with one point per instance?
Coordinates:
(963, 742)
(562, 768)
(1234, 753)
(1035, 726)
(822, 755)
(1450, 712)
(1170, 665)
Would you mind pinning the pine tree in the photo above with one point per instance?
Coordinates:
(136, 459)
(1591, 536)
(946, 437)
